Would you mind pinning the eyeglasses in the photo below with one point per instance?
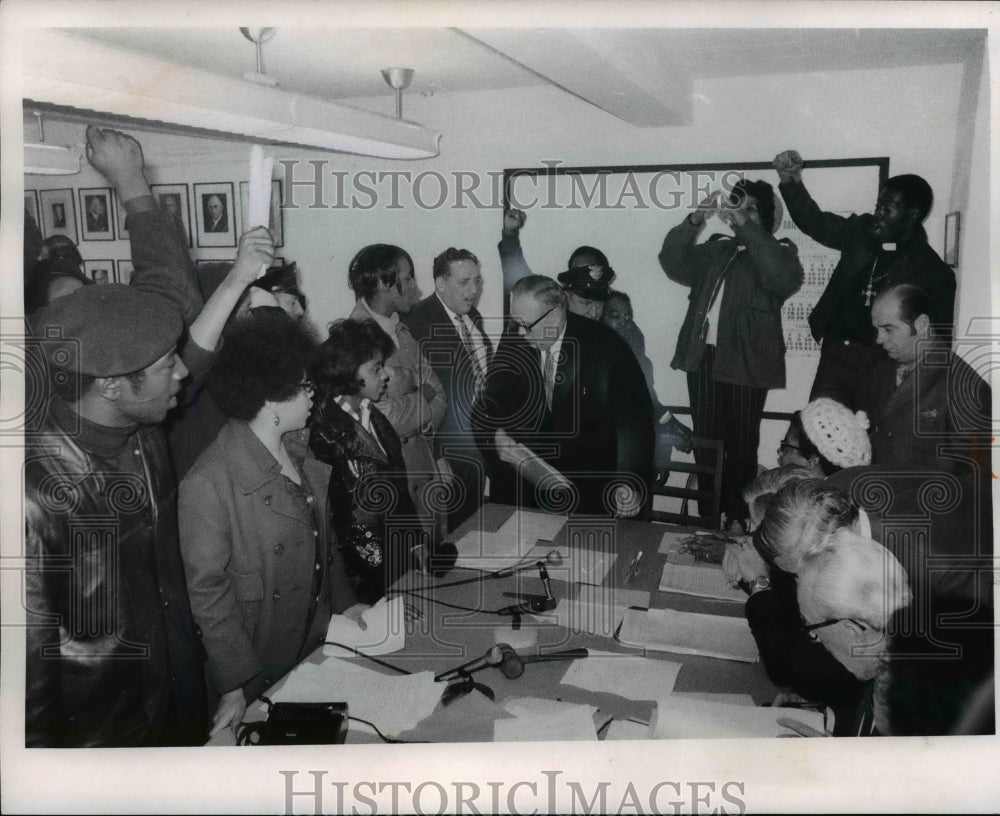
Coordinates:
(810, 628)
(783, 445)
(527, 327)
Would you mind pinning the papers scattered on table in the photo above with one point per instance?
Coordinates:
(395, 703)
(703, 580)
(531, 525)
(544, 720)
(490, 551)
(627, 730)
(689, 633)
(595, 610)
(629, 676)
(718, 697)
(683, 717)
(385, 632)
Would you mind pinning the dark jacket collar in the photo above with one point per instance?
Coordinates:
(98, 440)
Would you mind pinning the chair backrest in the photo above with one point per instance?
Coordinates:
(705, 472)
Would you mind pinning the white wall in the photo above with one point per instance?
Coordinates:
(908, 114)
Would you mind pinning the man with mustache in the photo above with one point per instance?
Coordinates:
(879, 250)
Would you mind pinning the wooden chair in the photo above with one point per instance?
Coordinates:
(690, 490)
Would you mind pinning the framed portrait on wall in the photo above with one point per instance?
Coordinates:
(100, 271)
(31, 206)
(96, 215)
(173, 198)
(276, 225)
(215, 214)
(125, 270)
(952, 229)
(120, 217)
(58, 213)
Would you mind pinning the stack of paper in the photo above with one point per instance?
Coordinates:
(689, 633)
(385, 631)
(703, 580)
(395, 703)
(490, 551)
(629, 676)
(681, 717)
(537, 720)
(531, 525)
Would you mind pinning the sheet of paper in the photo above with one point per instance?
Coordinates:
(395, 703)
(718, 697)
(259, 199)
(668, 630)
(579, 566)
(541, 706)
(629, 676)
(678, 717)
(489, 551)
(385, 632)
(703, 580)
(574, 722)
(626, 730)
(532, 525)
(671, 542)
(595, 610)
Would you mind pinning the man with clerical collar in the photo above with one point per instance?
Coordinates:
(878, 251)
(112, 653)
(449, 330)
(928, 407)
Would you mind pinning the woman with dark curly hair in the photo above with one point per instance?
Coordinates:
(262, 575)
(377, 528)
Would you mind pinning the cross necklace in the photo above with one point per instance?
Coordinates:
(872, 280)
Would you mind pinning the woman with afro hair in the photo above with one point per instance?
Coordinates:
(262, 573)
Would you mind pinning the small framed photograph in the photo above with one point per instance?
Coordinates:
(58, 213)
(173, 198)
(31, 206)
(100, 271)
(125, 270)
(276, 226)
(96, 217)
(215, 214)
(120, 217)
(952, 230)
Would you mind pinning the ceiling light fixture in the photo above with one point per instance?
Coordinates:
(398, 79)
(81, 77)
(42, 159)
(259, 36)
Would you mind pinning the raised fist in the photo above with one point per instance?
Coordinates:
(789, 165)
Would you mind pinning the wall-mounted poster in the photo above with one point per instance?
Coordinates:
(276, 225)
(173, 198)
(100, 271)
(215, 214)
(96, 219)
(58, 213)
(952, 229)
(120, 216)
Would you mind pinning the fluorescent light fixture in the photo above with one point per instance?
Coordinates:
(50, 160)
(67, 72)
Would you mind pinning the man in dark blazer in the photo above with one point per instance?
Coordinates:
(571, 391)
(449, 331)
(878, 250)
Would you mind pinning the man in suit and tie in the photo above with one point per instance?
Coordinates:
(449, 329)
(570, 390)
(215, 214)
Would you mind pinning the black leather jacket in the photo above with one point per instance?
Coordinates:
(113, 657)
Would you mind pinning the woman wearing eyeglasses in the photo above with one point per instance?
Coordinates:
(378, 530)
(262, 575)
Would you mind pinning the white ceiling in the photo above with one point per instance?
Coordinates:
(345, 63)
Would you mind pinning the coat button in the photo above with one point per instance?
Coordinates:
(309, 499)
(276, 595)
(267, 500)
(279, 549)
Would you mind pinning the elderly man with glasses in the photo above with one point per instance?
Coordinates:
(569, 390)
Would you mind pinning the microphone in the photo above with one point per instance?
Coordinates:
(493, 657)
(535, 604)
(512, 665)
(553, 559)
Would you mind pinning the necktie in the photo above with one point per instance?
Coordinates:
(549, 376)
(471, 348)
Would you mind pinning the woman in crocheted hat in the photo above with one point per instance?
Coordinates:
(824, 437)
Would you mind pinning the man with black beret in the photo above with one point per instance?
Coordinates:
(112, 653)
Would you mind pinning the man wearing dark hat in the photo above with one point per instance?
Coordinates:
(587, 282)
(112, 651)
(731, 344)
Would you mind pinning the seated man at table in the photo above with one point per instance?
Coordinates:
(571, 392)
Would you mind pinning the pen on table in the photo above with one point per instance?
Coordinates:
(633, 568)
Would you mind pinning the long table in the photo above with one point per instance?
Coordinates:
(447, 634)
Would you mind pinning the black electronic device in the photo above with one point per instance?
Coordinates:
(299, 724)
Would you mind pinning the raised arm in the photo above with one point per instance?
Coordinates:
(512, 260)
(776, 263)
(159, 249)
(680, 255)
(827, 228)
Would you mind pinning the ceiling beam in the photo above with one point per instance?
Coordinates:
(602, 68)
